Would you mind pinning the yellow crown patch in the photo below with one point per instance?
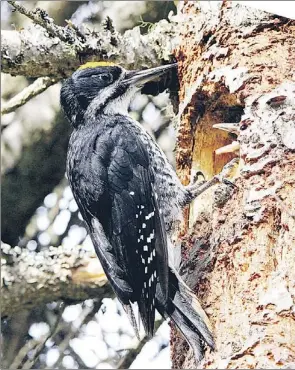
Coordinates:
(96, 64)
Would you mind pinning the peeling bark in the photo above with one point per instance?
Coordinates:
(236, 65)
(29, 279)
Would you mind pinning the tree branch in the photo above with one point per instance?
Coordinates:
(41, 18)
(51, 333)
(36, 88)
(132, 353)
(32, 53)
(86, 315)
(36, 345)
(32, 278)
(23, 352)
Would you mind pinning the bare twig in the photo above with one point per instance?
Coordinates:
(30, 363)
(33, 344)
(22, 353)
(36, 88)
(86, 316)
(32, 231)
(78, 359)
(41, 18)
(127, 361)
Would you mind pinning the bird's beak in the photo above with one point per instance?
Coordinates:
(139, 78)
(233, 128)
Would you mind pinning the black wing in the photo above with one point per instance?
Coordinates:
(116, 194)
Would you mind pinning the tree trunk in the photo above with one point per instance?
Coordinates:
(236, 65)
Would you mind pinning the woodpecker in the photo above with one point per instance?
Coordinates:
(130, 198)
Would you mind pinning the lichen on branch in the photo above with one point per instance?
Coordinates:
(45, 49)
(33, 278)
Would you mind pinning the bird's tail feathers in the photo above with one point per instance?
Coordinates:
(187, 329)
(147, 316)
(129, 311)
(184, 309)
(192, 299)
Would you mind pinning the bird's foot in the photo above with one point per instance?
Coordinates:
(195, 178)
(196, 190)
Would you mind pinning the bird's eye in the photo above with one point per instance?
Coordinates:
(105, 77)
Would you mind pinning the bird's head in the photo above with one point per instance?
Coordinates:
(99, 87)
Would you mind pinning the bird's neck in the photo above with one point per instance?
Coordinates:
(119, 105)
(112, 104)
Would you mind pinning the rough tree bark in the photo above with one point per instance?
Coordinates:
(31, 52)
(236, 64)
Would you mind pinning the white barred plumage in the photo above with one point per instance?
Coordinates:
(147, 252)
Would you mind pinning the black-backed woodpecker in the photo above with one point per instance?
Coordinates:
(130, 198)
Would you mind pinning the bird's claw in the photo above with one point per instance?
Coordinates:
(229, 183)
(225, 181)
(195, 178)
(197, 189)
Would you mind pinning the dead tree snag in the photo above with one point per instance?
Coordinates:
(236, 65)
